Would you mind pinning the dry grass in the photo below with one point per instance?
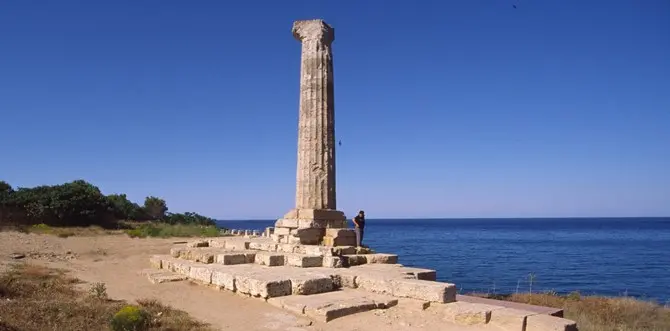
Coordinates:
(64, 232)
(594, 313)
(41, 299)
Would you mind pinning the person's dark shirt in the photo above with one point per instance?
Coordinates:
(360, 220)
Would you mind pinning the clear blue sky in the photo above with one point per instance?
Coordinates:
(464, 108)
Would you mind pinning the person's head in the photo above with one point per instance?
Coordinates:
(361, 213)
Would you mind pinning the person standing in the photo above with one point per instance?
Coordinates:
(359, 224)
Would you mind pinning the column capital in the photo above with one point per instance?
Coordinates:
(313, 30)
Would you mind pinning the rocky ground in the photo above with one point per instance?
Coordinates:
(118, 260)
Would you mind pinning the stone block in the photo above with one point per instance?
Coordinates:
(282, 231)
(237, 244)
(166, 263)
(413, 304)
(293, 240)
(308, 236)
(269, 259)
(236, 258)
(332, 262)
(354, 260)
(262, 285)
(307, 284)
(217, 243)
(320, 214)
(510, 318)
(165, 277)
(156, 261)
(549, 323)
(419, 273)
(292, 214)
(176, 251)
(286, 248)
(340, 241)
(344, 278)
(343, 250)
(466, 313)
(328, 306)
(364, 250)
(198, 243)
(181, 267)
(316, 250)
(381, 258)
(424, 290)
(336, 233)
(376, 283)
(289, 303)
(223, 279)
(303, 261)
(287, 223)
(201, 274)
(201, 255)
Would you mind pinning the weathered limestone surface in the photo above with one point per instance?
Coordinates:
(315, 199)
(549, 323)
(510, 318)
(328, 306)
(465, 313)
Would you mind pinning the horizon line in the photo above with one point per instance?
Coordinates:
(473, 218)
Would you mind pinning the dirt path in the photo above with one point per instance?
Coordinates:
(117, 260)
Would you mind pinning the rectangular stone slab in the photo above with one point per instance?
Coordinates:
(155, 262)
(381, 258)
(424, 290)
(509, 304)
(264, 285)
(164, 277)
(549, 323)
(308, 283)
(465, 313)
(270, 259)
(510, 318)
(223, 278)
(303, 261)
(328, 306)
(236, 257)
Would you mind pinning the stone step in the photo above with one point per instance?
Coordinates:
(303, 260)
(209, 255)
(251, 279)
(162, 276)
(395, 280)
(359, 259)
(507, 319)
(328, 306)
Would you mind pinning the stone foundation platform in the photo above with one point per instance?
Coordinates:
(326, 282)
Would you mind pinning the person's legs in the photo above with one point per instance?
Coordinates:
(360, 242)
(359, 236)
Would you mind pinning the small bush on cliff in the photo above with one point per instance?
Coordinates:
(130, 318)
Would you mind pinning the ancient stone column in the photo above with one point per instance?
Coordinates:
(315, 201)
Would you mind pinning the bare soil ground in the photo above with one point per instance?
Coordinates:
(117, 261)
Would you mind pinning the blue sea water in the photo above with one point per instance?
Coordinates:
(604, 256)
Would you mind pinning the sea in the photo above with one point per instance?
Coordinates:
(594, 256)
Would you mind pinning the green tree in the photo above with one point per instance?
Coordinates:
(125, 209)
(77, 203)
(155, 207)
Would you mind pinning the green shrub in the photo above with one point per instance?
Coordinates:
(130, 318)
